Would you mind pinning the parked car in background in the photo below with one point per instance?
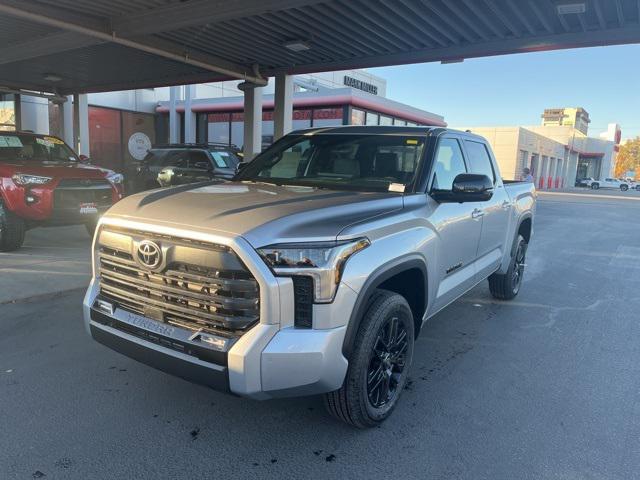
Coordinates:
(632, 183)
(44, 183)
(314, 270)
(608, 183)
(183, 163)
(583, 182)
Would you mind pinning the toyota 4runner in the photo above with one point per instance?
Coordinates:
(44, 183)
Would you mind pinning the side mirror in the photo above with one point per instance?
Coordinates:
(203, 166)
(84, 159)
(467, 187)
(241, 166)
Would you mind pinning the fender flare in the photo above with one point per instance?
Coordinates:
(514, 243)
(379, 275)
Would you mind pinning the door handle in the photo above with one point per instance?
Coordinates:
(477, 213)
(506, 204)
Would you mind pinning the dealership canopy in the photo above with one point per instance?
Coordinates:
(76, 46)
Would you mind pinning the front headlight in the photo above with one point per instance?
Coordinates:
(26, 179)
(115, 178)
(323, 261)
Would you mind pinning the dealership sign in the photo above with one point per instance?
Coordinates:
(360, 85)
(138, 145)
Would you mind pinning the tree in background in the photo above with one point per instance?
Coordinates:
(628, 158)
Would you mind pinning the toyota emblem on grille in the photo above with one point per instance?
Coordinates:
(149, 254)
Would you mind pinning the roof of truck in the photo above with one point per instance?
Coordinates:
(385, 130)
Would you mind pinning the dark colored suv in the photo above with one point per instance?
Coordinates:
(179, 164)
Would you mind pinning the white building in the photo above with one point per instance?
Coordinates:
(556, 155)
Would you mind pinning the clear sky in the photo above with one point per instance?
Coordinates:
(515, 89)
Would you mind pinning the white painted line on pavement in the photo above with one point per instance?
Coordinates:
(588, 195)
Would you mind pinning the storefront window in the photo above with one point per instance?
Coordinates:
(357, 116)
(399, 121)
(327, 117)
(219, 129)
(301, 119)
(384, 120)
(7, 112)
(237, 129)
(372, 118)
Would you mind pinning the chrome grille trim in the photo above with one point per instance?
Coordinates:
(221, 301)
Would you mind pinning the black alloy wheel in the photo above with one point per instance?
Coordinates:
(378, 364)
(518, 267)
(387, 362)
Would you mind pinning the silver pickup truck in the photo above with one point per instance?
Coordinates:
(315, 269)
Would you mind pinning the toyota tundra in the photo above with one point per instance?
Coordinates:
(314, 270)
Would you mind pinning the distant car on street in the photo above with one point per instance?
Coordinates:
(183, 163)
(583, 182)
(613, 183)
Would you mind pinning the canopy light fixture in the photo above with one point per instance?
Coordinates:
(297, 45)
(52, 77)
(571, 8)
(451, 60)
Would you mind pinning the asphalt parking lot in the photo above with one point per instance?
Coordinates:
(546, 386)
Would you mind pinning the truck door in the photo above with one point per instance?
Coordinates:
(495, 212)
(458, 226)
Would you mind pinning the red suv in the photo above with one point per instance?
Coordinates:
(43, 182)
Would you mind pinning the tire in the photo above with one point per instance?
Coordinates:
(624, 188)
(506, 286)
(638, 188)
(12, 230)
(595, 186)
(377, 372)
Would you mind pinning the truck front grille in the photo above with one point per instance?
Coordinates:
(200, 286)
(70, 193)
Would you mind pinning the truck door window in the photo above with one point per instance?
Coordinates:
(479, 159)
(198, 159)
(449, 163)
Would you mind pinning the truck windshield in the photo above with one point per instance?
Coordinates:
(24, 147)
(339, 161)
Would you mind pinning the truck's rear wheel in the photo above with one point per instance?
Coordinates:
(506, 286)
(12, 230)
(379, 364)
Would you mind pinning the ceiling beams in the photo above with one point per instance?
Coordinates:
(223, 39)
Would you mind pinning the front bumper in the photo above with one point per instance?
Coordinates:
(272, 359)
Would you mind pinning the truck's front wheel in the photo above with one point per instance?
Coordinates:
(379, 364)
(12, 230)
(506, 286)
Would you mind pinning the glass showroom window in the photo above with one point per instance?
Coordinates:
(219, 127)
(372, 118)
(327, 117)
(357, 116)
(384, 120)
(7, 112)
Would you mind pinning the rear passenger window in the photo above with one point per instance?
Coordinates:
(479, 159)
(448, 165)
(198, 159)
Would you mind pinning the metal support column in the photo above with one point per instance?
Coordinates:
(252, 120)
(189, 115)
(81, 124)
(67, 120)
(174, 122)
(283, 108)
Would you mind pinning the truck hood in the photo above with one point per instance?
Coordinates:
(261, 213)
(55, 169)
